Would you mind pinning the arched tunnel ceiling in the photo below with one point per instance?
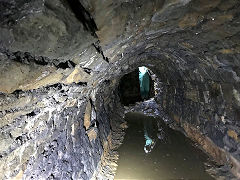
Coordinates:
(197, 35)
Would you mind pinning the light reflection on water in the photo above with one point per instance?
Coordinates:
(173, 159)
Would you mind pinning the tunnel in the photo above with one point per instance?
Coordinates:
(130, 86)
(69, 78)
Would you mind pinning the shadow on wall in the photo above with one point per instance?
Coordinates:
(129, 87)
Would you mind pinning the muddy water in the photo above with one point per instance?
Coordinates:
(173, 157)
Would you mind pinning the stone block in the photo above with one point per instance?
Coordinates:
(87, 115)
(92, 134)
(76, 76)
(233, 134)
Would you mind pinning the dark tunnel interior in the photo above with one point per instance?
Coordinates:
(88, 84)
(129, 88)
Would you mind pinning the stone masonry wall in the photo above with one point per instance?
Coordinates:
(53, 133)
(209, 114)
(60, 61)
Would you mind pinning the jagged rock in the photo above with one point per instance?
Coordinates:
(92, 134)
(77, 75)
(57, 55)
(48, 28)
(87, 115)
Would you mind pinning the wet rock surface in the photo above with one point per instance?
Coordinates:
(44, 135)
(57, 56)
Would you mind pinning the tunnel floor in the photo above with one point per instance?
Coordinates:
(174, 157)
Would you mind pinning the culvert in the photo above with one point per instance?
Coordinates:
(60, 67)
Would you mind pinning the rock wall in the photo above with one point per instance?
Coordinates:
(61, 62)
(208, 114)
(55, 132)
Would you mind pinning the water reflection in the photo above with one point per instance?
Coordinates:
(150, 141)
(150, 136)
(173, 156)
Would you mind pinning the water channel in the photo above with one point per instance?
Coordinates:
(172, 157)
